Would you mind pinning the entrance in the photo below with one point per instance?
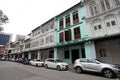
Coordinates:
(75, 54)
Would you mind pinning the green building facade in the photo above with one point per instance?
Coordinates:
(71, 36)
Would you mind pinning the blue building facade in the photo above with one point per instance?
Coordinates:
(4, 38)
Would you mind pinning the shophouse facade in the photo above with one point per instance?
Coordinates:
(25, 47)
(72, 36)
(42, 40)
(103, 25)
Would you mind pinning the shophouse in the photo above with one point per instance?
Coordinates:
(42, 40)
(103, 25)
(72, 35)
(25, 47)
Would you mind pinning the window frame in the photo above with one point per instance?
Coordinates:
(77, 33)
(67, 20)
(75, 17)
(61, 37)
(61, 24)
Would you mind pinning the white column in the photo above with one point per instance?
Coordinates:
(29, 55)
(23, 55)
(39, 55)
(90, 50)
(55, 53)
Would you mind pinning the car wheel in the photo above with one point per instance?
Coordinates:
(58, 68)
(78, 70)
(46, 66)
(36, 65)
(108, 73)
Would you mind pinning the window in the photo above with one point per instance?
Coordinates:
(38, 32)
(77, 32)
(68, 35)
(43, 29)
(51, 54)
(105, 4)
(67, 20)
(83, 53)
(52, 38)
(108, 24)
(61, 37)
(102, 52)
(61, 24)
(93, 8)
(42, 41)
(47, 39)
(75, 17)
(97, 27)
(66, 54)
(117, 2)
(113, 23)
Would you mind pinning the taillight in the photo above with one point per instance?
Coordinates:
(74, 62)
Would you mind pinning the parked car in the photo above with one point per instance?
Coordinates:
(26, 61)
(37, 62)
(108, 70)
(56, 64)
(3, 58)
(20, 60)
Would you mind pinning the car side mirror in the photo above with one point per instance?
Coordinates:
(55, 61)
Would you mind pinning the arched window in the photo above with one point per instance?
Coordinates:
(105, 4)
(117, 2)
(93, 7)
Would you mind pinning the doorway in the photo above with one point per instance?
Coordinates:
(75, 54)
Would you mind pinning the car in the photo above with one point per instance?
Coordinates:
(26, 61)
(37, 62)
(3, 58)
(84, 64)
(20, 60)
(55, 64)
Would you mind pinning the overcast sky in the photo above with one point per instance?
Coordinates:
(25, 15)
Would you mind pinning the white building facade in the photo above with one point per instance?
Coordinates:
(103, 23)
(42, 40)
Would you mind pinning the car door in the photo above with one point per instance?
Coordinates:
(53, 64)
(50, 63)
(94, 65)
(84, 64)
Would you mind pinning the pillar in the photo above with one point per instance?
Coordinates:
(90, 50)
(55, 53)
(29, 55)
(39, 55)
(23, 55)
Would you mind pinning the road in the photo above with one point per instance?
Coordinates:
(15, 71)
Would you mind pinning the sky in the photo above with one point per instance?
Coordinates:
(26, 15)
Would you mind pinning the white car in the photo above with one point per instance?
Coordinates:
(37, 62)
(56, 64)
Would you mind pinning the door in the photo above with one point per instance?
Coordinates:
(115, 53)
(75, 54)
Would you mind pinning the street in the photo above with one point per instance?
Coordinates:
(17, 71)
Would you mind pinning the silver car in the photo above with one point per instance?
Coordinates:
(108, 70)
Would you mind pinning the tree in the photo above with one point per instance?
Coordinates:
(3, 18)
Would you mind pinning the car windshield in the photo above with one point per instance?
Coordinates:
(59, 60)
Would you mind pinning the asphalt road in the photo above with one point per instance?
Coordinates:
(15, 71)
